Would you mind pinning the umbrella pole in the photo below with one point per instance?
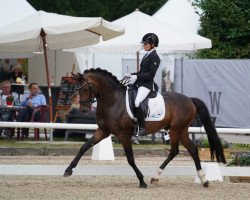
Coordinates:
(43, 35)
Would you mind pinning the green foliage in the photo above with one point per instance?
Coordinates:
(240, 160)
(227, 24)
(108, 9)
(204, 143)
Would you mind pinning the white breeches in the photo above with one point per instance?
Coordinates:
(141, 95)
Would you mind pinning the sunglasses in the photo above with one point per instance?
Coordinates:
(145, 43)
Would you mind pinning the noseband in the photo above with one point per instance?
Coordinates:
(91, 99)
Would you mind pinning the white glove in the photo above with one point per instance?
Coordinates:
(128, 75)
(133, 78)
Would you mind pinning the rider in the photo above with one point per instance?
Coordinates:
(144, 78)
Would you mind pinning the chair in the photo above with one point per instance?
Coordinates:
(43, 112)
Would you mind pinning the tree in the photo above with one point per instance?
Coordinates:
(108, 9)
(227, 24)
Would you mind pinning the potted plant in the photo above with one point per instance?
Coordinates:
(9, 100)
(204, 151)
(241, 160)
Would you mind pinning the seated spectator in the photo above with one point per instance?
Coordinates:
(6, 91)
(75, 104)
(6, 115)
(15, 74)
(75, 114)
(31, 101)
(78, 116)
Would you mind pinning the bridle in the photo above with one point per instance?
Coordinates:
(92, 94)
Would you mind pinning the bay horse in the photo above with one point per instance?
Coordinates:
(112, 118)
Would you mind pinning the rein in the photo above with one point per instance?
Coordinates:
(91, 99)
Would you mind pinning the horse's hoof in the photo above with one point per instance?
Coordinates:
(206, 184)
(154, 181)
(143, 185)
(67, 173)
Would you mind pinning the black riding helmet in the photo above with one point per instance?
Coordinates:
(150, 38)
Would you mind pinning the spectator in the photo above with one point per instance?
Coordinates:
(6, 91)
(29, 103)
(16, 73)
(75, 105)
(5, 114)
(5, 66)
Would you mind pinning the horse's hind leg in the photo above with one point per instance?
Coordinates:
(97, 137)
(193, 150)
(126, 142)
(173, 152)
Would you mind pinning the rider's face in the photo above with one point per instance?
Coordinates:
(146, 46)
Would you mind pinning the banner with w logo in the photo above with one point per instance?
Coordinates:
(222, 84)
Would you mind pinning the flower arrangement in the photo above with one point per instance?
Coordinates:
(18, 80)
(10, 98)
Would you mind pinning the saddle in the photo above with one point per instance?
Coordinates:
(132, 93)
(153, 105)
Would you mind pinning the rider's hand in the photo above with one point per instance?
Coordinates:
(128, 75)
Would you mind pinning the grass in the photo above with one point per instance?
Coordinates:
(71, 143)
(77, 143)
(240, 147)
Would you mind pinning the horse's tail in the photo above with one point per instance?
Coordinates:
(213, 138)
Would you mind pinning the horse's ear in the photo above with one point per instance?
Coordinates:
(80, 76)
(74, 75)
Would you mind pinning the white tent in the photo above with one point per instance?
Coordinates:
(61, 31)
(44, 30)
(10, 11)
(137, 24)
(13, 10)
(180, 14)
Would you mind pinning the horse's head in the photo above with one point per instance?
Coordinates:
(86, 90)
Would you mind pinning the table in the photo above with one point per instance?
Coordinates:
(15, 108)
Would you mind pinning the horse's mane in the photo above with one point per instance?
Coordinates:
(105, 73)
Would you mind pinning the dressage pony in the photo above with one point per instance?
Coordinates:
(112, 118)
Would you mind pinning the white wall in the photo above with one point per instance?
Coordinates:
(60, 63)
(112, 62)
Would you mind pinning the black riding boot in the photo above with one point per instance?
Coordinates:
(141, 121)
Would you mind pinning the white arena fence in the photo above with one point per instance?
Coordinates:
(224, 171)
(52, 126)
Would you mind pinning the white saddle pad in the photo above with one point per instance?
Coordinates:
(156, 110)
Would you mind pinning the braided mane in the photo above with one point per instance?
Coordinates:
(105, 73)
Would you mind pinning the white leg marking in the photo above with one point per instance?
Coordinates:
(158, 173)
(202, 176)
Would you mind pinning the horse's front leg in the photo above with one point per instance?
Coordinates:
(126, 142)
(97, 137)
